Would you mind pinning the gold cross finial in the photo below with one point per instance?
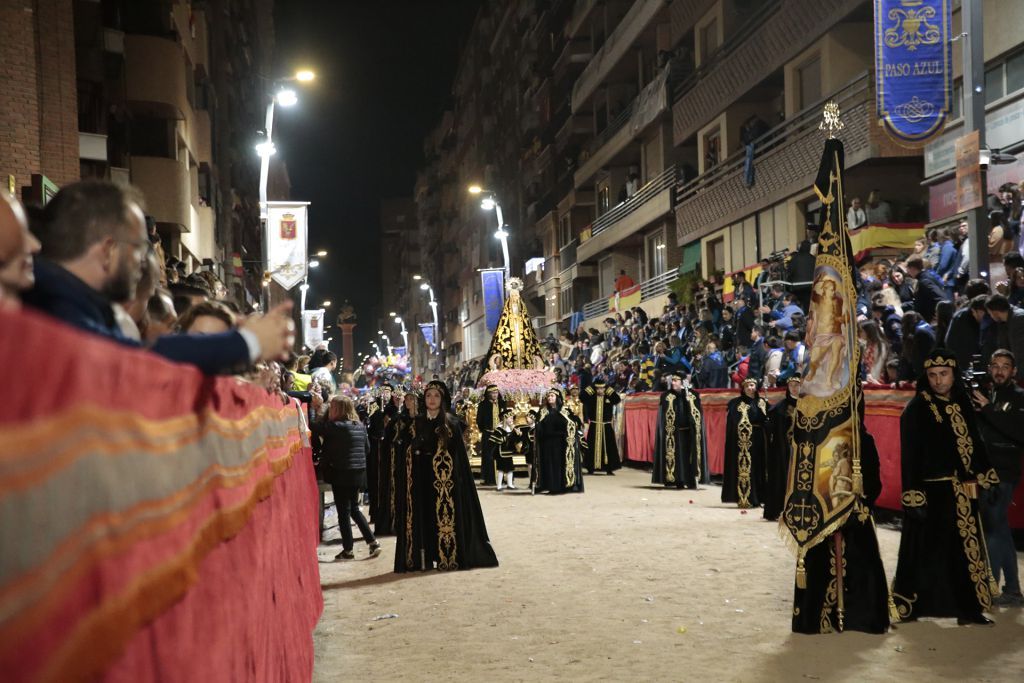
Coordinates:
(830, 119)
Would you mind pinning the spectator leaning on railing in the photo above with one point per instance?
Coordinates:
(93, 236)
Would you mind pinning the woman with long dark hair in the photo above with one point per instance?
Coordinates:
(918, 341)
(875, 351)
(343, 447)
(559, 459)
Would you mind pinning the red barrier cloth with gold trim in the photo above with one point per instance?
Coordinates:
(155, 524)
(883, 407)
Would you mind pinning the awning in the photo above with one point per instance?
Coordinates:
(691, 258)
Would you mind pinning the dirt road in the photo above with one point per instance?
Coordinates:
(624, 583)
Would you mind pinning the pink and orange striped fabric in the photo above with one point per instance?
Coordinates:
(128, 483)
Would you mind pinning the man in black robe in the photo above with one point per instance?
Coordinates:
(439, 522)
(745, 445)
(378, 414)
(865, 604)
(600, 452)
(488, 419)
(558, 463)
(780, 440)
(943, 568)
(679, 437)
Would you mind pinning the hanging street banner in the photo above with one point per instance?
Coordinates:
(428, 335)
(913, 68)
(313, 327)
(493, 281)
(286, 236)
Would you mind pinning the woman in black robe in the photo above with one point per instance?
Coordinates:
(439, 521)
(745, 445)
(679, 453)
(780, 438)
(558, 463)
(943, 568)
(384, 524)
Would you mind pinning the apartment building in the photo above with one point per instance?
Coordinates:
(166, 95)
(666, 139)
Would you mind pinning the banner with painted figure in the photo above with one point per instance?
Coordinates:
(824, 474)
(493, 286)
(286, 235)
(913, 68)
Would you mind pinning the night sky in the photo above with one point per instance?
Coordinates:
(384, 74)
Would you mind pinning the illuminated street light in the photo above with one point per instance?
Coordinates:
(287, 98)
(326, 304)
(475, 189)
(322, 253)
(313, 263)
(305, 75)
(487, 204)
(266, 149)
(424, 286)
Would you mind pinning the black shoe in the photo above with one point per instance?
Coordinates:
(1014, 599)
(345, 555)
(611, 474)
(979, 620)
(375, 549)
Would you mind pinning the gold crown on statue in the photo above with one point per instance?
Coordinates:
(940, 362)
(514, 284)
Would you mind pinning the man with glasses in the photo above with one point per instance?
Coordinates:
(1001, 409)
(94, 243)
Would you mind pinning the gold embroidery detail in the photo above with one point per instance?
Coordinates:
(409, 558)
(570, 450)
(670, 439)
(445, 504)
(904, 605)
(987, 479)
(599, 427)
(940, 361)
(698, 434)
(964, 443)
(745, 433)
(977, 560)
(832, 597)
(914, 499)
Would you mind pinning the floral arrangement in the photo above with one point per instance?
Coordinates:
(519, 383)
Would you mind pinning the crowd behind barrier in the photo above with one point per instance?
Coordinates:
(156, 523)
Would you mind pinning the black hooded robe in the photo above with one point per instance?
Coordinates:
(680, 457)
(559, 459)
(942, 568)
(780, 440)
(439, 522)
(383, 523)
(601, 451)
(745, 445)
(488, 419)
(866, 605)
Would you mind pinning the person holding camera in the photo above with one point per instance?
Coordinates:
(1001, 410)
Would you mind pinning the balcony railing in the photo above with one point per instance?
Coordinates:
(664, 180)
(649, 289)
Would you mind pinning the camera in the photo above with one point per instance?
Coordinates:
(976, 375)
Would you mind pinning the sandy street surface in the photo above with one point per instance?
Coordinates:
(624, 583)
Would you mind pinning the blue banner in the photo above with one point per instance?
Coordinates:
(494, 296)
(428, 335)
(913, 67)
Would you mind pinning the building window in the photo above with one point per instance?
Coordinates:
(153, 137)
(656, 249)
(708, 39)
(604, 197)
(565, 300)
(809, 82)
(1015, 73)
(715, 255)
(564, 230)
(712, 148)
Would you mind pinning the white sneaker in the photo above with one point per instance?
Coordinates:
(512, 486)
(499, 488)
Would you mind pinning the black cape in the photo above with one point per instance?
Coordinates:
(680, 456)
(866, 604)
(487, 420)
(600, 452)
(943, 568)
(780, 439)
(558, 463)
(439, 523)
(745, 445)
(384, 494)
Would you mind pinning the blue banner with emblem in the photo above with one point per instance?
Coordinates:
(493, 283)
(428, 335)
(913, 67)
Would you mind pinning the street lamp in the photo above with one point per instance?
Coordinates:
(433, 309)
(322, 253)
(489, 203)
(326, 303)
(313, 263)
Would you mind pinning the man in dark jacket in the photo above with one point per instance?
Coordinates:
(930, 290)
(758, 355)
(1009, 323)
(94, 241)
(1001, 410)
(964, 334)
(801, 269)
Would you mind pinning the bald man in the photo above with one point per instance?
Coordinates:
(17, 246)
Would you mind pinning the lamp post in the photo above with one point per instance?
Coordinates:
(489, 202)
(433, 309)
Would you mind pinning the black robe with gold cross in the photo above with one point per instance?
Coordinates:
(600, 451)
(743, 477)
(943, 568)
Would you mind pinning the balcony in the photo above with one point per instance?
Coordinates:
(615, 49)
(92, 147)
(785, 163)
(645, 109)
(770, 37)
(651, 202)
(657, 286)
(155, 72)
(167, 187)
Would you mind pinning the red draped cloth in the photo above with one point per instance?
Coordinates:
(883, 407)
(155, 524)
